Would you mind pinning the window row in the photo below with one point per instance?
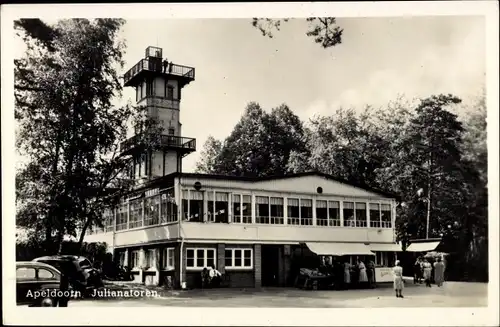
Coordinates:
(271, 210)
(157, 88)
(141, 212)
(151, 258)
(234, 258)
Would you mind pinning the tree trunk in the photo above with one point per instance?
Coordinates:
(60, 239)
(82, 235)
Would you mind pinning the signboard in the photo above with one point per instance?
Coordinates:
(152, 192)
(383, 274)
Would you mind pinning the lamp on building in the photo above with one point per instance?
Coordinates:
(197, 186)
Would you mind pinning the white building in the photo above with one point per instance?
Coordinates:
(256, 231)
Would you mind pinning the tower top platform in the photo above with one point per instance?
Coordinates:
(153, 65)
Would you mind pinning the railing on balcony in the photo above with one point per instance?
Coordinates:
(179, 142)
(157, 66)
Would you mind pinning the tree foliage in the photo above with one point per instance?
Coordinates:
(68, 128)
(324, 30)
(259, 145)
(418, 150)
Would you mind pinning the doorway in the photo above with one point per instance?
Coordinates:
(270, 265)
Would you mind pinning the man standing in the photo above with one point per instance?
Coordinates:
(165, 65)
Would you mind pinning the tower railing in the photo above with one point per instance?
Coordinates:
(172, 141)
(157, 66)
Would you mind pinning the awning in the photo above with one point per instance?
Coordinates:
(386, 247)
(423, 246)
(339, 248)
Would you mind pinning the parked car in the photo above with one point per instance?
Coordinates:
(38, 284)
(81, 274)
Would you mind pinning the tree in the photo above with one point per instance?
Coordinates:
(324, 30)
(344, 144)
(209, 154)
(259, 145)
(69, 130)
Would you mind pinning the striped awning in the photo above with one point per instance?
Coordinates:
(339, 249)
(423, 246)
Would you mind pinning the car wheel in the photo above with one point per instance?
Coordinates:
(48, 302)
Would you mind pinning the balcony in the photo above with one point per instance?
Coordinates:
(154, 67)
(184, 145)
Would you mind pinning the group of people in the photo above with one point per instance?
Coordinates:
(347, 275)
(210, 277)
(422, 270)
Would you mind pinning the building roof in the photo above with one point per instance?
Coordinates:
(170, 177)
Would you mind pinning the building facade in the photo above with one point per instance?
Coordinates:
(256, 231)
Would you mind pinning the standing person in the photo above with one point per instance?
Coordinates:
(427, 272)
(347, 273)
(363, 276)
(165, 65)
(417, 273)
(439, 272)
(397, 273)
(371, 273)
(215, 276)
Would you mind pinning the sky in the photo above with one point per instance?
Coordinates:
(379, 59)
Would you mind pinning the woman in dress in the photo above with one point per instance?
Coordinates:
(347, 274)
(427, 272)
(363, 277)
(397, 273)
(439, 272)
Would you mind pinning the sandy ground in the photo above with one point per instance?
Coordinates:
(452, 294)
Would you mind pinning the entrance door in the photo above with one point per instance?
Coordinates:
(270, 265)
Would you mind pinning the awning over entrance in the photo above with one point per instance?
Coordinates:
(423, 246)
(386, 247)
(339, 249)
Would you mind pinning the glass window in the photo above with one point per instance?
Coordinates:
(262, 209)
(190, 256)
(211, 206)
(121, 217)
(170, 92)
(321, 213)
(200, 258)
(168, 207)
(247, 258)
(236, 208)
(152, 210)
(348, 214)
(238, 258)
(25, 273)
(135, 213)
(386, 216)
(277, 215)
(375, 215)
(293, 211)
(109, 221)
(228, 258)
(221, 207)
(196, 206)
(210, 257)
(334, 213)
(151, 258)
(360, 214)
(247, 209)
(306, 212)
(134, 259)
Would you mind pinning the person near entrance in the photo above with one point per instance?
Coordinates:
(371, 273)
(215, 276)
